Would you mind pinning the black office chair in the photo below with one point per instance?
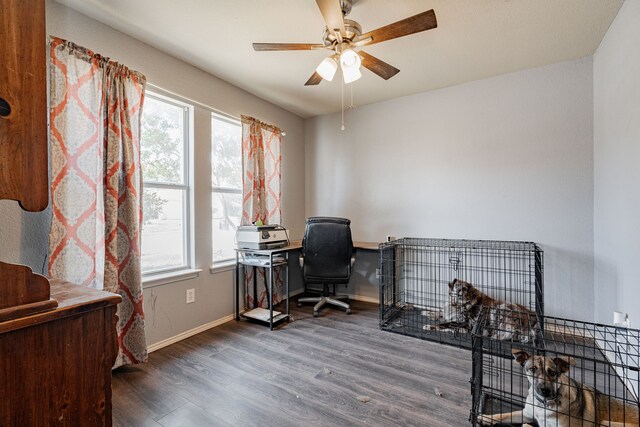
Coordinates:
(327, 259)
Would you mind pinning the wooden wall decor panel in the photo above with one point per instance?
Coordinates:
(23, 104)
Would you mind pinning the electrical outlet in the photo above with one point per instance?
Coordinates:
(377, 273)
(191, 296)
(620, 319)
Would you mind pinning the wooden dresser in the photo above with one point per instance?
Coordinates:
(58, 341)
(55, 367)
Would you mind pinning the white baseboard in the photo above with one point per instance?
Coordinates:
(297, 292)
(364, 298)
(189, 333)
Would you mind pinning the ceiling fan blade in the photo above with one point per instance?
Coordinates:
(332, 14)
(414, 24)
(362, 42)
(286, 46)
(379, 67)
(314, 79)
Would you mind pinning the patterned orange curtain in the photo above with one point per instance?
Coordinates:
(96, 184)
(261, 196)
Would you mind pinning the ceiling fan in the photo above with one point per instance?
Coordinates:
(342, 36)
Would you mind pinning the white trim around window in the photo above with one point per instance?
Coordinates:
(172, 201)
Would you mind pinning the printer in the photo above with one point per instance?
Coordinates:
(261, 237)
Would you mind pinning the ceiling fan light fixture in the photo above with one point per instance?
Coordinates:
(327, 68)
(350, 75)
(350, 59)
(350, 63)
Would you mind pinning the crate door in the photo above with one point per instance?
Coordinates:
(426, 272)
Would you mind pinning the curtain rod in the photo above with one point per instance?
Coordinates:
(208, 107)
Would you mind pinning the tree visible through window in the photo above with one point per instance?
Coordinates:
(164, 155)
(226, 183)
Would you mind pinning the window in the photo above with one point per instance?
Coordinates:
(226, 184)
(165, 159)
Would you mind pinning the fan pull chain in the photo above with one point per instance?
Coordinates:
(342, 95)
(351, 87)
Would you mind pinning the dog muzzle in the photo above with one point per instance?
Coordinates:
(546, 401)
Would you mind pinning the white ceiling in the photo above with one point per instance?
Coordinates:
(475, 39)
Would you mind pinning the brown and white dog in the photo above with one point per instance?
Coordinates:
(556, 400)
(506, 321)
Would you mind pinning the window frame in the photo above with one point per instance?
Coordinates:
(185, 187)
(217, 264)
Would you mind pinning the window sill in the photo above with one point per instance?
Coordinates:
(219, 267)
(166, 278)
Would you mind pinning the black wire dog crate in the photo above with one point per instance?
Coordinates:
(573, 374)
(415, 276)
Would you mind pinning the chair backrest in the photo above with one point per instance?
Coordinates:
(327, 249)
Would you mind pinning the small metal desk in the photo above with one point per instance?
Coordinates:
(267, 260)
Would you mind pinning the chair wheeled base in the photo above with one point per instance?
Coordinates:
(321, 301)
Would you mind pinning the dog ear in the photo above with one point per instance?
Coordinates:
(452, 283)
(520, 356)
(564, 363)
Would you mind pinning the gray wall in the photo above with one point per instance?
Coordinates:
(507, 158)
(617, 175)
(24, 236)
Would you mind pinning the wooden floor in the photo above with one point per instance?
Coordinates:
(310, 372)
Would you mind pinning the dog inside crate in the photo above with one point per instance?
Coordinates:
(434, 288)
(462, 311)
(576, 374)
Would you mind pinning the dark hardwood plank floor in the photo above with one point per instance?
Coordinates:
(310, 372)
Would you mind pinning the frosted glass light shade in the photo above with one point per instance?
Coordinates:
(349, 59)
(350, 63)
(351, 74)
(327, 68)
